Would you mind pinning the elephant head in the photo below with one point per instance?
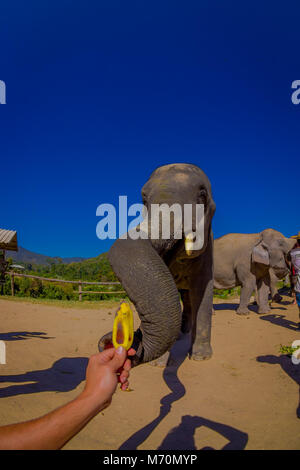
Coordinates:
(141, 264)
(271, 250)
(181, 184)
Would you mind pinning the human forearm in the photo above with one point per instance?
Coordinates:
(53, 430)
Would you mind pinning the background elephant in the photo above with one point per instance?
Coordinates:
(154, 271)
(245, 260)
(275, 296)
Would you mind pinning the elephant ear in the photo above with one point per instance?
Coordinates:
(260, 254)
(290, 243)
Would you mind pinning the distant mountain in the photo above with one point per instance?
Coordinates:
(26, 256)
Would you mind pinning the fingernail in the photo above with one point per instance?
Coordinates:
(120, 350)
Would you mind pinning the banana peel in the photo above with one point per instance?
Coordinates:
(123, 332)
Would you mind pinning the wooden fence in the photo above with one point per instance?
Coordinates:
(80, 284)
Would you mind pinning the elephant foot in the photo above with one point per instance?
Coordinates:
(263, 310)
(160, 361)
(202, 352)
(243, 311)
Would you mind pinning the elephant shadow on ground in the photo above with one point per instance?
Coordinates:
(292, 370)
(64, 375)
(230, 306)
(282, 302)
(285, 291)
(23, 335)
(277, 308)
(280, 320)
(182, 436)
(252, 307)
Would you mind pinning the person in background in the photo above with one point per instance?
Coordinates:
(295, 260)
(53, 430)
(293, 280)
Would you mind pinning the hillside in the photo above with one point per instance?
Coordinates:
(93, 269)
(90, 269)
(24, 256)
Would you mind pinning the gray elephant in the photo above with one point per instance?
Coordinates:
(154, 271)
(273, 286)
(245, 260)
(275, 296)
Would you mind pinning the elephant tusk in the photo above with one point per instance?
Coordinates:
(189, 244)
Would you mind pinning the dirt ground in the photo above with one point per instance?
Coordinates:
(245, 397)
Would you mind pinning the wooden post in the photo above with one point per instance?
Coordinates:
(80, 290)
(12, 283)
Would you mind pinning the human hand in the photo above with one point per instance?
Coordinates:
(102, 375)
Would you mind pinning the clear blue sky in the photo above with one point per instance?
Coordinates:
(100, 93)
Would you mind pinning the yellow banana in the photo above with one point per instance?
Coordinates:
(123, 327)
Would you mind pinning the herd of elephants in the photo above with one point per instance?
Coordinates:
(155, 271)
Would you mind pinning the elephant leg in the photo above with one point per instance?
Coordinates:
(246, 292)
(202, 302)
(201, 297)
(255, 294)
(263, 295)
(186, 324)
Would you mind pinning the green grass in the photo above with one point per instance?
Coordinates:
(95, 304)
(92, 304)
(288, 350)
(227, 293)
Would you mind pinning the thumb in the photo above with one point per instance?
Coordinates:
(119, 358)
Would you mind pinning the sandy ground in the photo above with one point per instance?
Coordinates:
(246, 396)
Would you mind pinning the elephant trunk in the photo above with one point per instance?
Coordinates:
(151, 288)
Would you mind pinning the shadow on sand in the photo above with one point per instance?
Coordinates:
(182, 436)
(22, 335)
(253, 308)
(285, 362)
(280, 320)
(230, 306)
(64, 375)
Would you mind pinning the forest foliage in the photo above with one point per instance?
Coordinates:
(96, 269)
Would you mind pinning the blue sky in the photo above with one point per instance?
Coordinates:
(100, 93)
